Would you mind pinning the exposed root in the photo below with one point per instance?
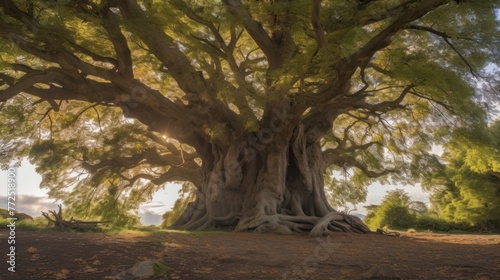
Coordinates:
(335, 221)
(229, 219)
(199, 224)
(254, 222)
(285, 224)
(273, 228)
(206, 222)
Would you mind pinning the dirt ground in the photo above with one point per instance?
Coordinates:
(221, 255)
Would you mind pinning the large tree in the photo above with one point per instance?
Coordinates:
(255, 103)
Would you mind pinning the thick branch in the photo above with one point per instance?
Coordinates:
(51, 75)
(316, 23)
(255, 29)
(185, 170)
(111, 24)
(386, 105)
(388, 13)
(382, 39)
(178, 64)
(334, 157)
(151, 156)
(94, 56)
(71, 82)
(224, 51)
(164, 48)
(180, 174)
(6, 80)
(91, 91)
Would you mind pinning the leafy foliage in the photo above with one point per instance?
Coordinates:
(437, 224)
(397, 211)
(467, 186)
(186, 195)
(393, 212)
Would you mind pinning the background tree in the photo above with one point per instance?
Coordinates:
(418, 207)
(186, 195)
(394, 212)
(253, 102)
(467, 187)
(397, 211)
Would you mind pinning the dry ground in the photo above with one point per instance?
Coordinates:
(242, 256)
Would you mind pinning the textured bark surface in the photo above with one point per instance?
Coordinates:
(277, 187)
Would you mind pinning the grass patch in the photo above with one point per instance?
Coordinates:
(199, 232)
(38, 223)
(138, 229)
(160, 268)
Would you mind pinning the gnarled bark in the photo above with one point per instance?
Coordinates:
(279, 189)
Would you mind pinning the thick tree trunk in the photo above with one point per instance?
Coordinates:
(268, 186)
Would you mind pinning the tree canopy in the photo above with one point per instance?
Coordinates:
(251, 102)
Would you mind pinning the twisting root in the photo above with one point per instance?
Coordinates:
(336, 221)
(285, 224)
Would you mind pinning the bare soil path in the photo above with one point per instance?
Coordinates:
(242, 256)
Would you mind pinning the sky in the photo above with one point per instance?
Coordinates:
(32, 200)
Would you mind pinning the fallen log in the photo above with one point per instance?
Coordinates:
(60, 223)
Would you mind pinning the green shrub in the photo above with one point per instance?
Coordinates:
(435, 223)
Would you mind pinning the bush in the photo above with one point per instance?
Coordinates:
(397, 217)
(395, 213)
(392, 216)
(434, 223)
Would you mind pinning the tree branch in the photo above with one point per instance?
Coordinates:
(333, 157)
(72, 82)
(446, 38)
(178, 64)
(432, 100)
(256, 31)
(163, 47)
(111, 24)
(51, 75)
(383, 38)
(386, 105)
(224, 51)
(50, 48)
(119, 166)
(94, 56)
(151, 156)
(316, 23)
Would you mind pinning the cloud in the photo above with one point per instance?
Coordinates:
(154, 207)
(30, 204)
(151, 213)
(150, 218)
